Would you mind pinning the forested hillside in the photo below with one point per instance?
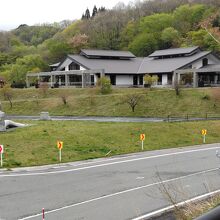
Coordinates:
(141, 27)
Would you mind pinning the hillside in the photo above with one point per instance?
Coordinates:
(141, 27)
(80, 102)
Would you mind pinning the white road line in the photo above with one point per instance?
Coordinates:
(108, 164)
(119, 193)
(140, 178)
(168, 208)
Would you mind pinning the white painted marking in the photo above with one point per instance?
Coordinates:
(160, 211)
(59, 167)
(108, 164)
(119, 193)
(139, 178)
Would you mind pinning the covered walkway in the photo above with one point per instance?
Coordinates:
(206, 76)
(79, 78)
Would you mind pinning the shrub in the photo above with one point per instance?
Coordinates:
(105, 85)
(150, 80)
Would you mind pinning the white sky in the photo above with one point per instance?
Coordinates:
(16, 12)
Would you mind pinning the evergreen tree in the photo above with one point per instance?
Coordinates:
(87, 14)
(95, 11)
(102, 9)
(83, 17)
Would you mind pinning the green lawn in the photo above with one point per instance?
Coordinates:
(155, 103)
(36, 145)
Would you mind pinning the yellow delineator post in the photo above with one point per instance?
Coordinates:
(204, 132)
(142, 138)
(60, 146)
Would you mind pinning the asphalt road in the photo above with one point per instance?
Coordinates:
(89, 118)
(123, 187)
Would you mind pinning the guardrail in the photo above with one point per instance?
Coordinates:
(214, 214)
(193, 117)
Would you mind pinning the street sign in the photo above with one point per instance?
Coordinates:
(204, 131)
(1, 153)
(1, 149)
(59, 145)
(142, 137)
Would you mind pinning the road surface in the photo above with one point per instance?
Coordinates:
(123, 187)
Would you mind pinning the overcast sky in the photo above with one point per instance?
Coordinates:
(16, 12)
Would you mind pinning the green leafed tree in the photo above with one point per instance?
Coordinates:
(144, 44)
(170, 37)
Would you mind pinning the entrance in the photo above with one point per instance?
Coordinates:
(113, 79)
(135, 80)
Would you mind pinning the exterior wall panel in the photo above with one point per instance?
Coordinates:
(124, 80)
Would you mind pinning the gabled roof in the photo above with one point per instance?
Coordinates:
(55, 64)
(130, 66)
(174, 52)
(151, 65)
(137, 65)
(107, 53)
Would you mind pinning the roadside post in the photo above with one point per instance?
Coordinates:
(43, 216)
(60, 146)
(204, 132)
(1, 152)
(142, 138)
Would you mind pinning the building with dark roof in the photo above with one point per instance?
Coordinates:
(190, 66)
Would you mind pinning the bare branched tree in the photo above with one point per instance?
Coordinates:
(43, 88)
(7, 92)
(64, 97)
(133, 100)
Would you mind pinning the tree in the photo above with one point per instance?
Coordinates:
(215, 94)
(177, 87)
(187, 17)
(87, 14)
(132, 100)
(102, 9)
(105, 85)
(78, 42)
(94, 11)
(7, 92)
(150, 80)
(64, 96)
(43, 88)
(144, 44)
(170, 37)
(104, 30)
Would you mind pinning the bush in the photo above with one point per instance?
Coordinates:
(18, 85)
(105, 85)
(150, 80)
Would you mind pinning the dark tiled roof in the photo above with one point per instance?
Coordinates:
(137, 65)
(130, 66)
(151, 65)
(107, 53)
(174, 51)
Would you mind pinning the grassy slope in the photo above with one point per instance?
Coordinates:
(36, 145)
(89, 102)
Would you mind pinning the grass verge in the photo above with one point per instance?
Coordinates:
(153, 103)
(36, 145)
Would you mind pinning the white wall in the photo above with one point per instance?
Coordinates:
(164, 79)
(211, 60)
(124, 80)
(67, 68)
(81, 68)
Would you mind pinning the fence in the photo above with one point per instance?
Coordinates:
(193, 117)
